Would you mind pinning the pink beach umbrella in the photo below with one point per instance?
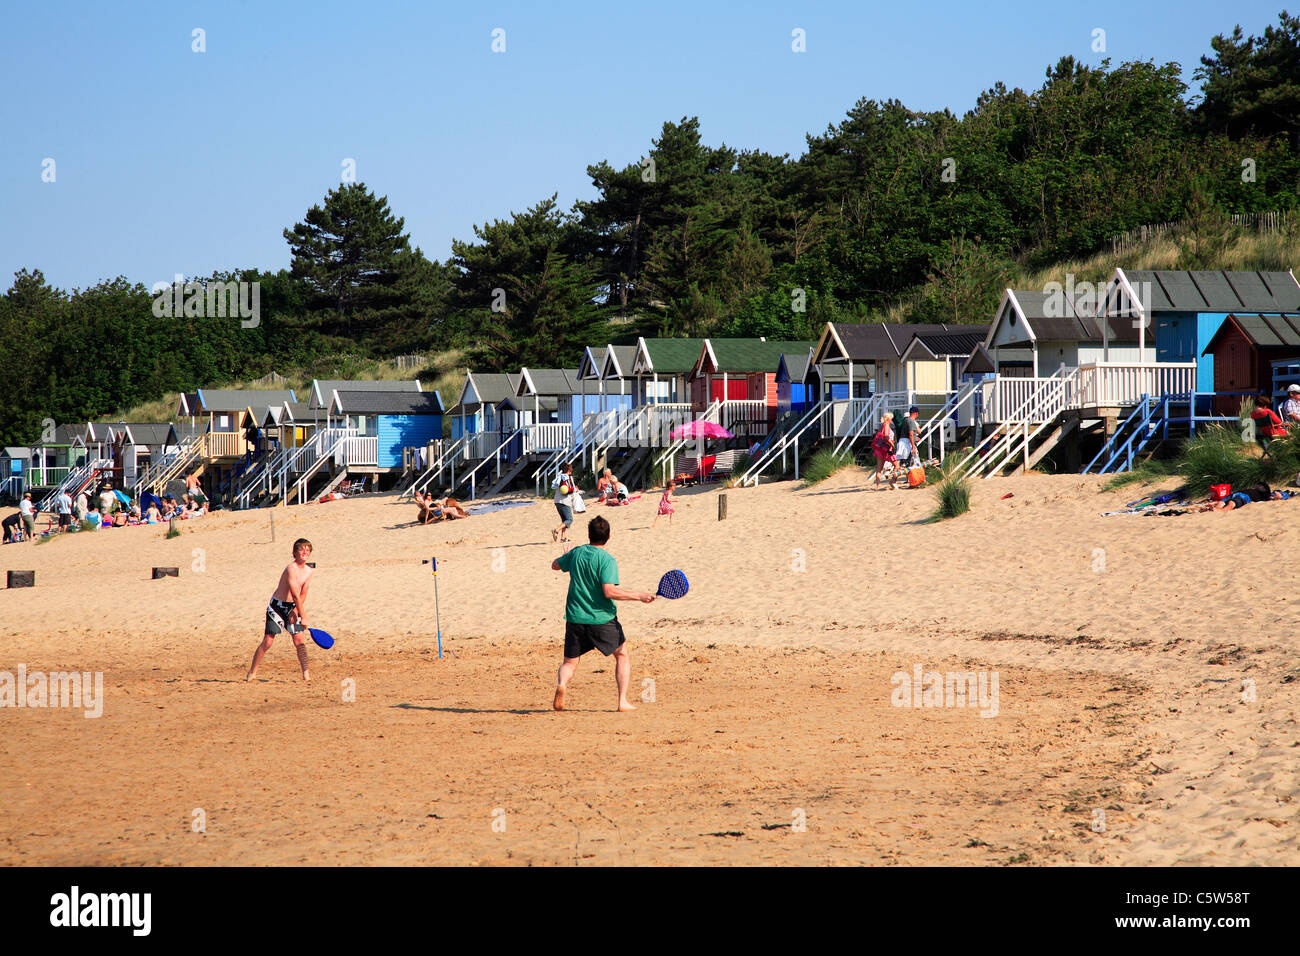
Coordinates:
(699, 429)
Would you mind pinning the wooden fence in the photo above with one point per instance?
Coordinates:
(1262, 223)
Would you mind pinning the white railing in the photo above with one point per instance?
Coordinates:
(448, 454)
(788, 442)
(1098, 384)
(950, 412)
(1115, 383)
(549, 436)
(481, 444)
(171, 465)
(359, 450)
(662, 418)
(1000, 446)
(838, 414)
(329, 443)
(75, 480)
(745, 411)
(667, 457)
(493, 457)
(869, 415)
(259, 475)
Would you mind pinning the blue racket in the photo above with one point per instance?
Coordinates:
(673, 585)
(322, 638)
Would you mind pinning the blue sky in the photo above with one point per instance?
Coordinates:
(168, 160)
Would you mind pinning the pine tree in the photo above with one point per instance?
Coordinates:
(349, 250)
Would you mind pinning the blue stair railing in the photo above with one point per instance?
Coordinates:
(1147, 418)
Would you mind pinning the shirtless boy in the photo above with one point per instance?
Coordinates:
(287, 608)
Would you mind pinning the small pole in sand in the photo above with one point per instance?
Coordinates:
(722, 507)
(436, 613)
(272, 526)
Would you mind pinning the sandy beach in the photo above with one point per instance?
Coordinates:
(1146, 708)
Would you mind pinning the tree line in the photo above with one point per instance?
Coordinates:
(889, 205)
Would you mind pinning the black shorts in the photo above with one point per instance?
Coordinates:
(277, 618)
(580, 638)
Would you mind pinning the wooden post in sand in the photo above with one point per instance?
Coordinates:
(273, 526)
(20, 579)
(171, 526)
(722, 507)
(166, 573)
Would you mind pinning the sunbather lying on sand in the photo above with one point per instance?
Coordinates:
(450, 508)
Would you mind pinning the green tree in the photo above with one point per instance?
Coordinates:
(348, 250)
(523, 298)
(1252, 84)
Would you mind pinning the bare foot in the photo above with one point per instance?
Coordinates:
(559, 699)
(306, 676)
(250, 676)
(624, 706)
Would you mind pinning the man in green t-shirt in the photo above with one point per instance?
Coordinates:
(589, 614)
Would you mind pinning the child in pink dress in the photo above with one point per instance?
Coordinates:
(666, 504)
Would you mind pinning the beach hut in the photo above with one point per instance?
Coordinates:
(137, 444)
(882, 347)
(616, 367)
(321, 391)
(476, 410)
(97, 438)
(1043, 331)
(1244, 350)
(51, 461)
(793, 393)
(1183, 310)
(830, 382)
(13, 459)
(386, 423)
(550, 406)
(741, 374)
(662, 368)
(288, 424)
(934, 361)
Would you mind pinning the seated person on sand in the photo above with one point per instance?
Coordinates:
(428, 513)
(605, 484)
(1291, 407)
(1268, 426)
(152, 516)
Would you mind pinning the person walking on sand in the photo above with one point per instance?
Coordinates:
(28, 512)
(564, 488)
(591, 620)
(908, 430)
(287, 609)
(666, 504)
(882, 446)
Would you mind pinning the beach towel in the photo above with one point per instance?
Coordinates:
(495, 506)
